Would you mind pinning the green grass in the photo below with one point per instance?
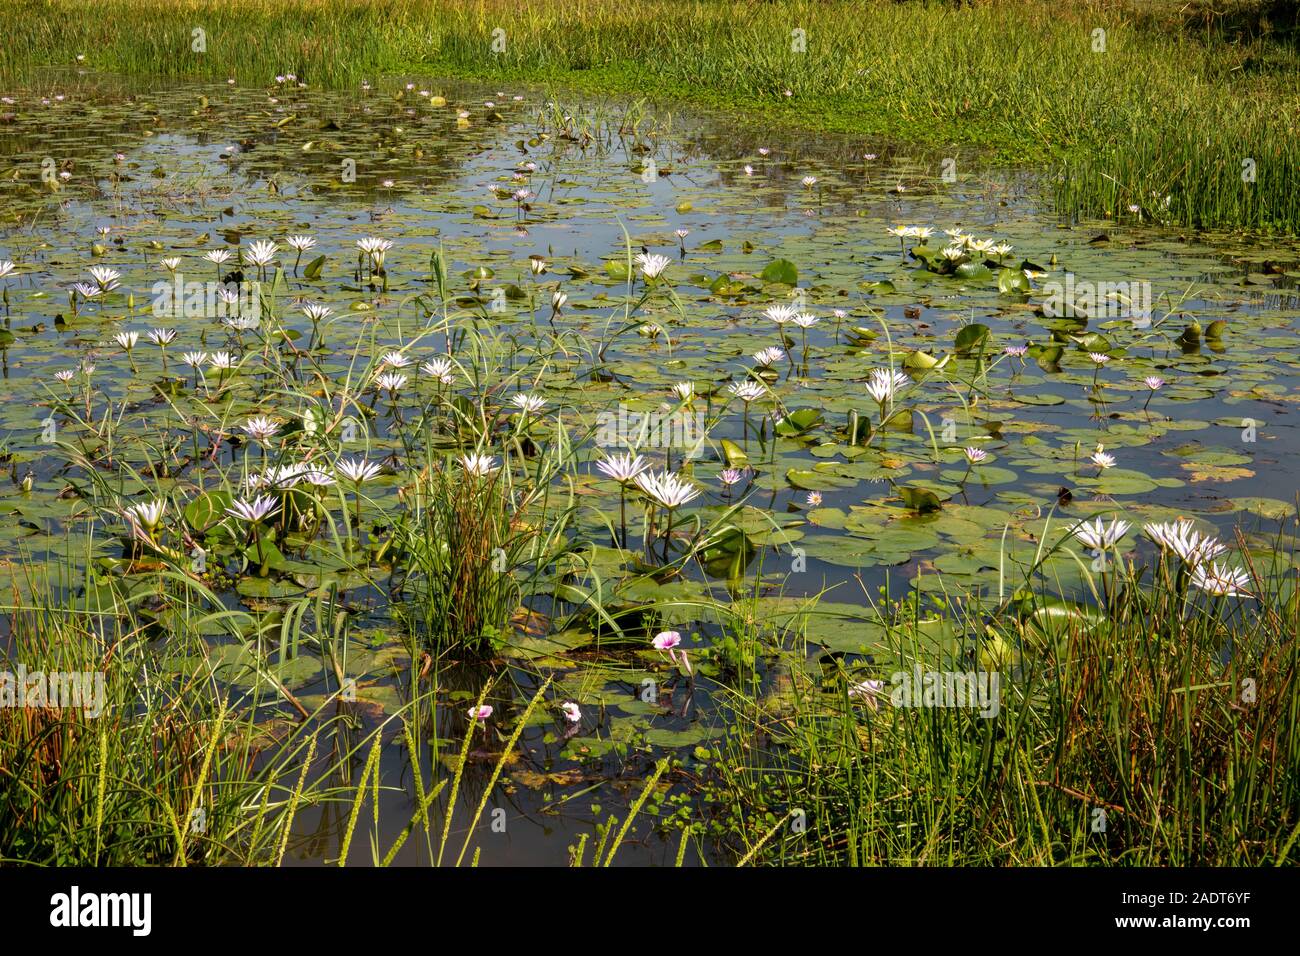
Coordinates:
(1128, 738)
(175, 766)
(1171, 108)
(170, 771)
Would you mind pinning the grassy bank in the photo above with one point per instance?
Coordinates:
(1156, 119)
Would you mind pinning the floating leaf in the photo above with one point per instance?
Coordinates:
(781, 270)
(919, 500)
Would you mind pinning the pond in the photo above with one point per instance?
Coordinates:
(864, 411)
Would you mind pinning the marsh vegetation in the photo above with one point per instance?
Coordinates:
(461, 472)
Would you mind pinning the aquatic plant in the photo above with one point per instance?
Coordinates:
(1108, 726)
(378, 505)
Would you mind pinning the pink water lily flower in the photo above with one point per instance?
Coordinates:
(481, 712)
(666, 640)
(669, 641)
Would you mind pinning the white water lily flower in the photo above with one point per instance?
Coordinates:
(260, 428)
(809, 181)
(86, 290)
(217, 256)
(162, 337)
(252, 511)
(393, 359)
(283, 477)
(65, 375)
(1102, 459)
(262, 252)
(441, 369)
(975, 455)
(357, 470)
(1182, 538)
(171, 263)
(731, 476)
(1154, 382)
(221, 360)
(194, 359)
(1098, 536)
(301, 243)
(805, 320)
(1220, 580)
(528, 403)
(390, 381)
(315, 312)
(652, 265)
(146, 513)
(315, 476)
(558, 300)
(478, 465)
(241, 323)
(375, 248)
(7, 268)
(127, 340)
(780, 314)
(684, 390)
(667, 489)
(953, 253)
(105, 277)
(768, 356)
(1101, 358)
(288, 476)
(884, 383)
(747, 390)
(623, 468)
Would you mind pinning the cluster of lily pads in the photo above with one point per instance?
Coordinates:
(285, 491)
(856, 413)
